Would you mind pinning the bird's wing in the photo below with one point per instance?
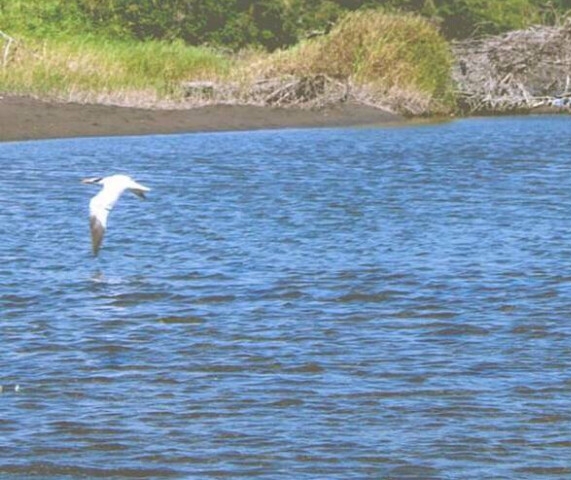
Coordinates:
(97, 232)
(137, 188)
(138, 192)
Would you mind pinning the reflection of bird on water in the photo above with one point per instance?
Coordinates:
(104, 201)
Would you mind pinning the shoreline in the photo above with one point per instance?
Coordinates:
(26, 118)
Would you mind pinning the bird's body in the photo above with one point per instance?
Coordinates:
(102, 203)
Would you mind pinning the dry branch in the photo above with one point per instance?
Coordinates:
(6, 51)
(517, 71)
(308, 91)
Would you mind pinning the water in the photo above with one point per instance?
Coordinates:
(337, 303)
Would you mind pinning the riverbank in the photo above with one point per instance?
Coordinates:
(408, 72)
(24, 118)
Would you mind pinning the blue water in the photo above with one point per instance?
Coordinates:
(310, 304)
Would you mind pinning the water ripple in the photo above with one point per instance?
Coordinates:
(355, 303)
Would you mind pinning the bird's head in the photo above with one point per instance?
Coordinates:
(93, 181)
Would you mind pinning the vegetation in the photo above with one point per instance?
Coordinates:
(142, 51)
(122, 72)
(270, 24)
(377, 55)
(398, 57)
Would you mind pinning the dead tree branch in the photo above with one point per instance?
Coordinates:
(517, 71)
(6, 51)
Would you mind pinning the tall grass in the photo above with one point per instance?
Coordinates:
(398, 56)
(94, 70)
(397, 61)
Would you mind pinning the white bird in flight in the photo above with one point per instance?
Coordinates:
(102, 203)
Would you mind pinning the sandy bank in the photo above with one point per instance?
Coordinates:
(23, 118)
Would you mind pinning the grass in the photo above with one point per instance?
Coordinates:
(389, 55)
(395, 61)
(94, 70)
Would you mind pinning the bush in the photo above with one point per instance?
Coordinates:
(383, 51)
(270, 24)
(233, 24)
(465, 18)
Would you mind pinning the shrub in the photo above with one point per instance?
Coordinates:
(382, 51)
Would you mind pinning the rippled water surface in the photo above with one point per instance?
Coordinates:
(320, 304)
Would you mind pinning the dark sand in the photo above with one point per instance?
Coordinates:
(23, 118)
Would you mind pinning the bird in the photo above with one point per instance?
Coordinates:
(102, 203)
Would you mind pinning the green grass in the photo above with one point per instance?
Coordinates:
(399, 55)
(93, 69)
(58, 55)
(398, 61)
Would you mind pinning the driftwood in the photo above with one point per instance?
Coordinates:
(313, 91)
(517, 71)
(206, 88)
(6, 50)
(306, 91)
